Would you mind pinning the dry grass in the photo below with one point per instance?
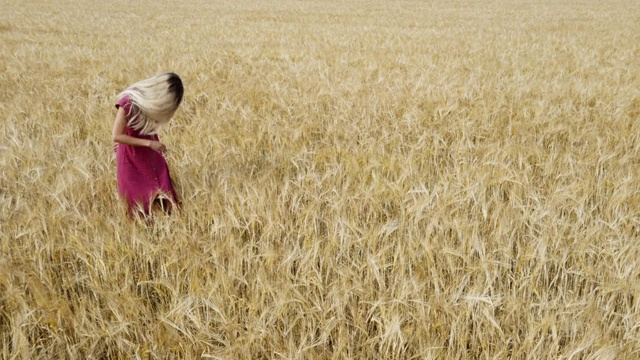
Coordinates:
(361, 179)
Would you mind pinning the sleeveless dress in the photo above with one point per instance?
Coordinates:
(142, 173)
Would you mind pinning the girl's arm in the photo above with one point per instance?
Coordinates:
(120, 137)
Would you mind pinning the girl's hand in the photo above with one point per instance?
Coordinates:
(158, 146)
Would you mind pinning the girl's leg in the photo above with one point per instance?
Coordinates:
(161, 204)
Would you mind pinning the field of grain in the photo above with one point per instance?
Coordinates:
(360, 179)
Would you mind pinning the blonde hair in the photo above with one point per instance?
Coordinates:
(154, 101)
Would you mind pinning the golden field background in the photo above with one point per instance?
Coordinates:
(360, 179)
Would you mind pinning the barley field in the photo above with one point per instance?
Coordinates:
(360, 180)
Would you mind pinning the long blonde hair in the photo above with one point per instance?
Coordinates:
(154, 101)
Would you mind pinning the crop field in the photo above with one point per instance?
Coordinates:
(359, 180)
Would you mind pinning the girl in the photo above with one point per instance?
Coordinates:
(143, 174)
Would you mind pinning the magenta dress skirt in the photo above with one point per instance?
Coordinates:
(142, 173)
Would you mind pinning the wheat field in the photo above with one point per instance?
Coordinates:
(360, 180)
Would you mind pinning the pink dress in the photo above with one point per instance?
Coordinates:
(143, 173)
